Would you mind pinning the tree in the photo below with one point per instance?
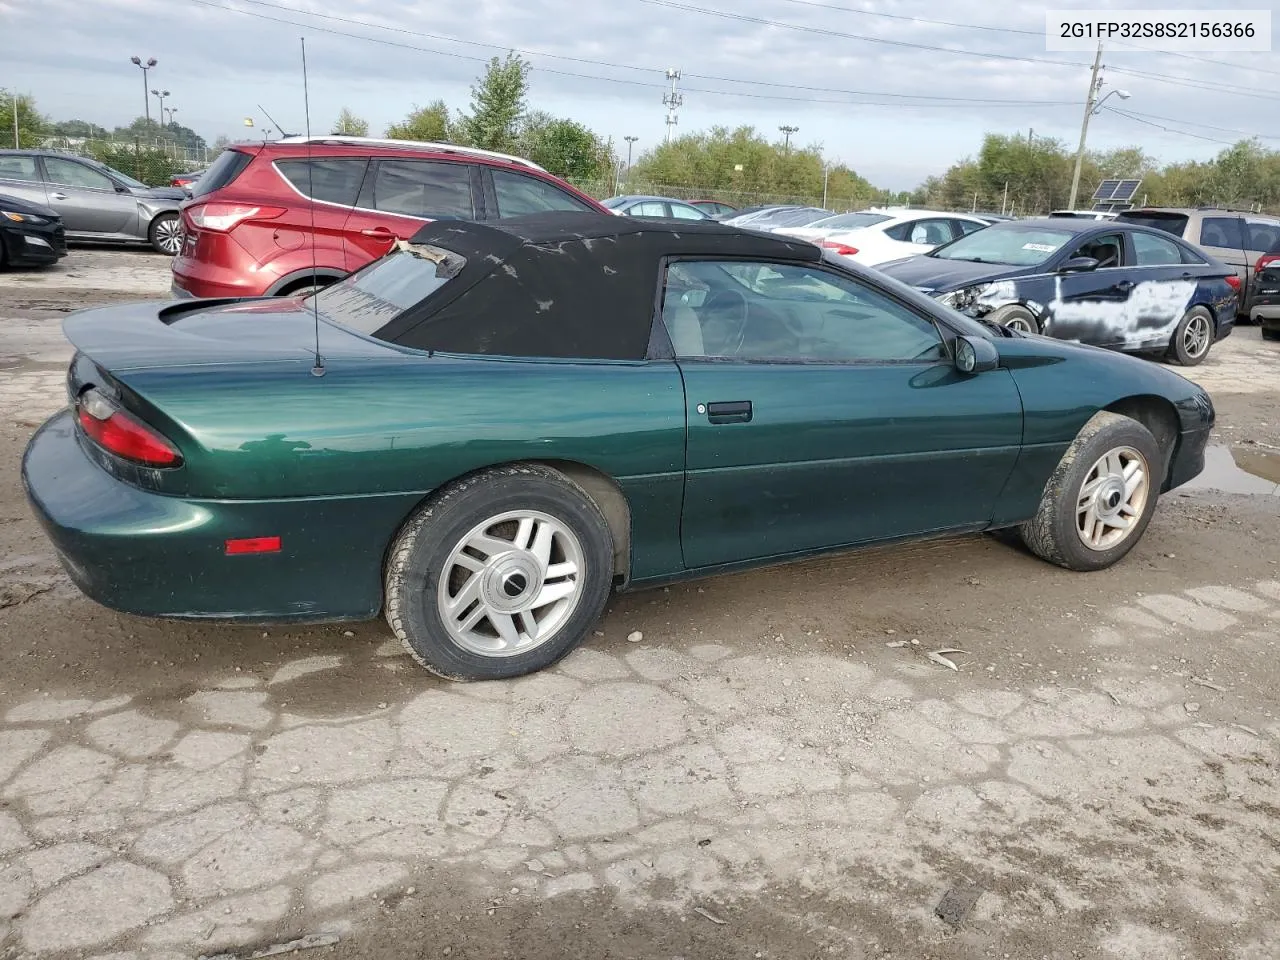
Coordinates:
(79, 129)
(431, 123)
(498, 104)
(349, 125)
(32, 125)
(564, 147)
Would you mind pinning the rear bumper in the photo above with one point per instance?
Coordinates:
(163, 556)
(1267, 314)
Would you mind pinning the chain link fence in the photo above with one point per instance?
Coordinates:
(153, 161)
(602, 189)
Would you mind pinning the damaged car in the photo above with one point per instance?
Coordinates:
(1108, 284)
(485, 433)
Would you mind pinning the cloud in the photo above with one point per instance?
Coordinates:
(603, 64)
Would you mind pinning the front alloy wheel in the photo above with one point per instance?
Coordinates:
(1112, 498)
(511, 583)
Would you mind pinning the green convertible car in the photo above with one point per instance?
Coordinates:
(484, 432)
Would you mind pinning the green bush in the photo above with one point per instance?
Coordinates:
(153, 167)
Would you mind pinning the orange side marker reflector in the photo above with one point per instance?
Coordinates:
(253, 545)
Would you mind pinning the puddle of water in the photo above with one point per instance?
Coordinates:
(1238, 470)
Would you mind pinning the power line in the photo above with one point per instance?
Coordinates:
(1015, 31)
(933, 48)
(657, 81)
(604, 63)
(1206, 126)
(1158, 126)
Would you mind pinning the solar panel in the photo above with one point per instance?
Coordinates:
(1122, 190)
(1105, 189)
(1126, 189)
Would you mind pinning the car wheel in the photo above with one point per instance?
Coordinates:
(1192, 338)
(1015, 318)
(165, 234)
(1099, 500)
(500, 575)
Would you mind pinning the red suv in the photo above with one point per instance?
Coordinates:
(248, 227)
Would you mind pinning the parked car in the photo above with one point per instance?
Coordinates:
(1116, 285)
(872, 238)
(992, 217)
(185, 180)
(96, 202)
(1085, 214)
(714, 208)
(660, 207)
(287, 216)
(450, 469)
(783, 217)
(1237, 239)
(748, 215)
(1264, 305)
(31, 234)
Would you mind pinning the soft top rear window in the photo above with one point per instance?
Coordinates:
(369, 299)
(228, 165)
(1174, 223)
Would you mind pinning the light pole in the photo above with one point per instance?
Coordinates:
(144, 67)
(787, 132)
(160, 95)
(170, 111)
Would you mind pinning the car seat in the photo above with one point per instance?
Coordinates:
(684, 328)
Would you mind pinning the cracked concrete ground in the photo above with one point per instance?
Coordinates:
(775, 770)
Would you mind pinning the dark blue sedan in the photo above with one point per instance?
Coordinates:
(1108, 284)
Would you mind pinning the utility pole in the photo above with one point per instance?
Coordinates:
(1004, 202)
(144, 67)
(672, 100)
(826, 174)
(1031, 136)
(16, 144)
(786, 133)
(1094, 85)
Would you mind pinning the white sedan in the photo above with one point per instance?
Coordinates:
(871, 237)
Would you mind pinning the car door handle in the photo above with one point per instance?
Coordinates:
(58, 196)
(380, 233)
(729, 411)
(1124, 285)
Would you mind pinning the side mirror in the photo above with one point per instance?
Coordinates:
(121, 188)
(1079, 265)
(975, 355)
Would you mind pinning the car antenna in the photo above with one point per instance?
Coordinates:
(318, 369)
(282, 130)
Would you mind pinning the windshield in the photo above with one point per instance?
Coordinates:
(850, 221)
(1010, 245)
(794, 218)
(127, 180)
(367, 300)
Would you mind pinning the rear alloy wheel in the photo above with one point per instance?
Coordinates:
(1192, 338)
(1015, 318)
(165, 234)
(1100, 499)
(502, 574)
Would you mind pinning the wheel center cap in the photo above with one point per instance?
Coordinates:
(1111, 498)
(511, 581)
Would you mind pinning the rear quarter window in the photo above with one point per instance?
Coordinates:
(222, 172)
(333, 180)
(1221, 232)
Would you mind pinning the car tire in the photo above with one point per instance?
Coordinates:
(1014, 317)
(464, 603)
(165, 234)
(1192, 338)
(1091, 488)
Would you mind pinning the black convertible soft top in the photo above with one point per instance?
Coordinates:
(564, 284)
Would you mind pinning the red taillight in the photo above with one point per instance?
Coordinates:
(1234, 283)
(840, 249)
(123, 434)
(252, 545)
(227, 216)
(1265, 261)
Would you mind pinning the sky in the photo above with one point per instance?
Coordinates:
(873, 83)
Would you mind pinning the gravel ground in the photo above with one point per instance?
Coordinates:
(777, 769)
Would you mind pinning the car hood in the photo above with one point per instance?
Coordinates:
(160, 193)
(26, 206)
(933, 274)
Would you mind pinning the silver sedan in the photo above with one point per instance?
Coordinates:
(95, 201)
